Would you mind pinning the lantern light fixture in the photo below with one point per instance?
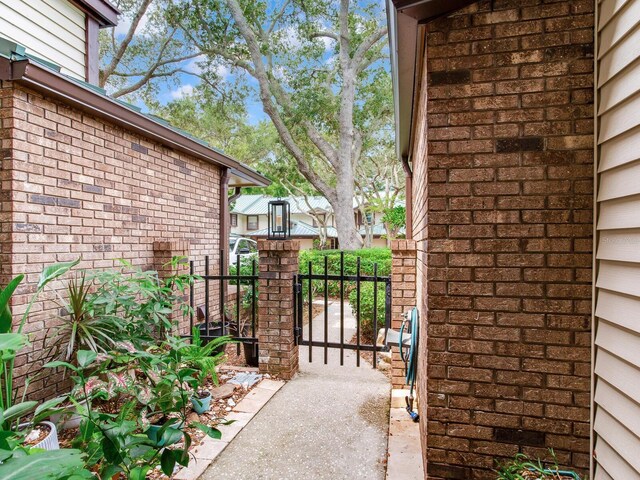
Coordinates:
(279, 220)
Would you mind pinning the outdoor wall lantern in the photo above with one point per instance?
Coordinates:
(279, 221)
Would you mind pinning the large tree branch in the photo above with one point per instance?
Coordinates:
(155, 66)
(325, 34)
(268, 102)
(367, 44)
(122, 49)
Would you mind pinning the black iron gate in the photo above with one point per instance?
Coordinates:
(369, 312)
(236, 315)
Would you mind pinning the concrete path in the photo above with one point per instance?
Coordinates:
(329, 422)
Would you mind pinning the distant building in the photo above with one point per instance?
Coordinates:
(249, 217)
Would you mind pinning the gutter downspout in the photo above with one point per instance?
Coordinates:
(408, 195)
(224, 234)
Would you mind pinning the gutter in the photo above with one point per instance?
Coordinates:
(30, 74)
(103, 11)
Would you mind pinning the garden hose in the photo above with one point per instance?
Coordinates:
(410, 357)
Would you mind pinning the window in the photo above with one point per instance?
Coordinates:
(369, 217)
(234, 220)
(252, 222)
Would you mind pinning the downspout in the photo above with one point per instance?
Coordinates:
(408, 195)
(224, 234)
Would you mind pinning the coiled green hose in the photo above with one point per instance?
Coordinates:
(410, 357)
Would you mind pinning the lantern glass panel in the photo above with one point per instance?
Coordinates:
(278, 218)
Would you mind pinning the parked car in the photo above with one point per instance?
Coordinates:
(243, 248)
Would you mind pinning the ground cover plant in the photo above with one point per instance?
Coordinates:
(521, 467)
(136, 380)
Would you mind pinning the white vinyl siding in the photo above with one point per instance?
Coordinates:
(53, 30)
(616, 413)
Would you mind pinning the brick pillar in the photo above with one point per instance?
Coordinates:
(163, 253)
(278, 353)
(403, 297)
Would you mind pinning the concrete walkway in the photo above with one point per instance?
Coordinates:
(329, 422)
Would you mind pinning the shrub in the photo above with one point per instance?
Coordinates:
(368, 258)
(367, 328)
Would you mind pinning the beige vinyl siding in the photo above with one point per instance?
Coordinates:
(53, 30)
(616, 398)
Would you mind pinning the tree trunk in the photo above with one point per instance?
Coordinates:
(348, 235)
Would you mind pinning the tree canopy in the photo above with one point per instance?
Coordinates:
(317, 67)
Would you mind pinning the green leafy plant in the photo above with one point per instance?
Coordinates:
(141, 300)
(84, 326)
(522, 467)
(200, 356)
(11, 343)
(35, 464)
(367, 325)
(125, 442)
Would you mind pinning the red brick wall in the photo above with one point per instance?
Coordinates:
(74, 185)
(403, 288)
(504, 238)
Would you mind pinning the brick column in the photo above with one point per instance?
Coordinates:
(403, 297)
(163, 253)
(278, 353)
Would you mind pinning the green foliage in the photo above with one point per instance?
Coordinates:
(521, 467)
(367, 303)
(369, 257)
(124, 442)
(35, 464)
(151, 376)
(395, 217)
(12, 343)
(104, 307)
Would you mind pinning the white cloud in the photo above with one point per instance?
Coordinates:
(182, 91)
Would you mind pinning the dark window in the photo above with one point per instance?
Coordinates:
(252, 222)
(234, 220)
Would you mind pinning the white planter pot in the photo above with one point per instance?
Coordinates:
(50, 442)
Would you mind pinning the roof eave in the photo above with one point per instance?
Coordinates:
(404, 18)
(103, 11)
(53, 84)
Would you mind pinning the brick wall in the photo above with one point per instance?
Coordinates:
(504, 240)
(74, 185)
(403, 299)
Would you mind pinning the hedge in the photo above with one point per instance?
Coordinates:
(368, 258)
(366, 308)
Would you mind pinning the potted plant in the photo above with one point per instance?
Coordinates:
(201, 401)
